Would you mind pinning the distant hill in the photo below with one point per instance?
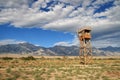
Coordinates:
(64, 50)
(111, 49)
(27, 48)
(18, 48)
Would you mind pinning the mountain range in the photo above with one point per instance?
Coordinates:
(27, 48)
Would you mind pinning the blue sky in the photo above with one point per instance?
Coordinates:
(55, 22)
(35, 36)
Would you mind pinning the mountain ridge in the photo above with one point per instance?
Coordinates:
(27, 48)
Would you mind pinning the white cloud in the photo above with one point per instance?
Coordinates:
(63, 25)
(83, 3)
(10, 41)
(60, 16)
(99, 2)
(62, 44)
(111, 39)
(74, 42)
(106, 42)
(14, 3)
(71, 1)
(110, 35)
(40, 4)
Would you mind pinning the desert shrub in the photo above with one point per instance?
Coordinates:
(76, 58)
(7, 58)
(9, 78)
(15, 61)
(28, 58)
(42, 58)
(105, 78)
(113, 58)
(38, 77)
(65, 57)
(8, 70)
(38, 74)
(59, 58)
(16, 74)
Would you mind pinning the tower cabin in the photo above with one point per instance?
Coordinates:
(84, 34)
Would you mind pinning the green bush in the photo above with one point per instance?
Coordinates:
(8, 70)
(7, 58)
(28, 58)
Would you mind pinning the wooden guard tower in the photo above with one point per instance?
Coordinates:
(85, 45)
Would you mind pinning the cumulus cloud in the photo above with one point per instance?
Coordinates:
(10, 41)
(74, 42)
(111, 39)
(106, 42)
(62, 15)
(15, 3)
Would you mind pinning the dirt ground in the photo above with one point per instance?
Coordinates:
(58, 68)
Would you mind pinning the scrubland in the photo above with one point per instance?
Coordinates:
(58, 68)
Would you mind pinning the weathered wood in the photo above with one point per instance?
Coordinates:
(85, 53)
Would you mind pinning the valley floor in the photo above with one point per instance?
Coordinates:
(59, 68)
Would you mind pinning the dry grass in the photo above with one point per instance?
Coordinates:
(59, 68)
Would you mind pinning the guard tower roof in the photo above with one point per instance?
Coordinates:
(83, 29)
